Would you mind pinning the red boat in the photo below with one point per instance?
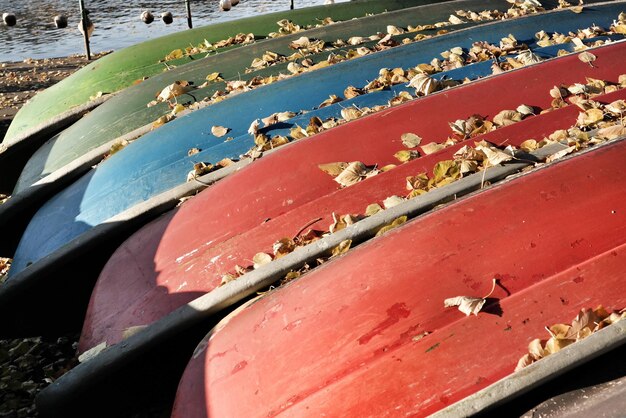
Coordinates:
(367, 334)
(184, 254)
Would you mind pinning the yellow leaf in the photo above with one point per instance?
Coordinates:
(406, 155)
(589, 117)
(446, 169)
(560, 154)
(372, 209)
(214, 77)
(394, 224)
(342, 248)
(175, 54)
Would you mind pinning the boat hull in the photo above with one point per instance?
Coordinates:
(393, 349)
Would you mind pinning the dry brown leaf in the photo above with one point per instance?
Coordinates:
(333, 169)
(423, 84)
(560, 154)
(587, 57)
(219, 131)
(394, 224)
(283, 247)
(261, 259)
(392, 201)
(589, 117)
(372, 209)
(352, 174)
(525, 110)
(410, 140)
(612, 132)
(507, 117)
(173, 90)
(431, 148)
(467, 304)
(254, 127)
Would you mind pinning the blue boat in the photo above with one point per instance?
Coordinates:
(159, 161)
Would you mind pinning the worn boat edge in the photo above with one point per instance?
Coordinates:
(14, 155)
(80, 382)
(548, 368)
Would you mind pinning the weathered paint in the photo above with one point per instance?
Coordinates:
(159, 161)
(348, 339)
(229, 223)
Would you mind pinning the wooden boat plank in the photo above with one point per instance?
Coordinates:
(145, 179)
(379, 298)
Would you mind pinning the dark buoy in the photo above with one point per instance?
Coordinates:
(88, 23)
(9, 19)
(225, 5)
(167, 17)
(234, 2)
(147, 17)
(60, 21)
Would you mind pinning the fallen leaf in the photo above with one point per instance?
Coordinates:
(352, 174)
(394, 224)
(333, 169)
(431, 148)
(406, 155)
(410, 140)
(372, 209)
(525, 110)
(467, 304)
(342, 248)
(560, 154)
(587, 57)
(507, 117)
(254, 127)
(261, 259)
(392, 201)
(219, 131)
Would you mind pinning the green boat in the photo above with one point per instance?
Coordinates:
(66, 101)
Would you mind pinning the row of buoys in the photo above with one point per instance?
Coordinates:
(148, 17)
(9, 19)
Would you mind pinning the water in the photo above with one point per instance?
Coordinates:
(117, 23)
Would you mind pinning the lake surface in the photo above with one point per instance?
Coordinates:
(117, 23)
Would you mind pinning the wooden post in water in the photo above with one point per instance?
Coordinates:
(83, 21)
(188, 14)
